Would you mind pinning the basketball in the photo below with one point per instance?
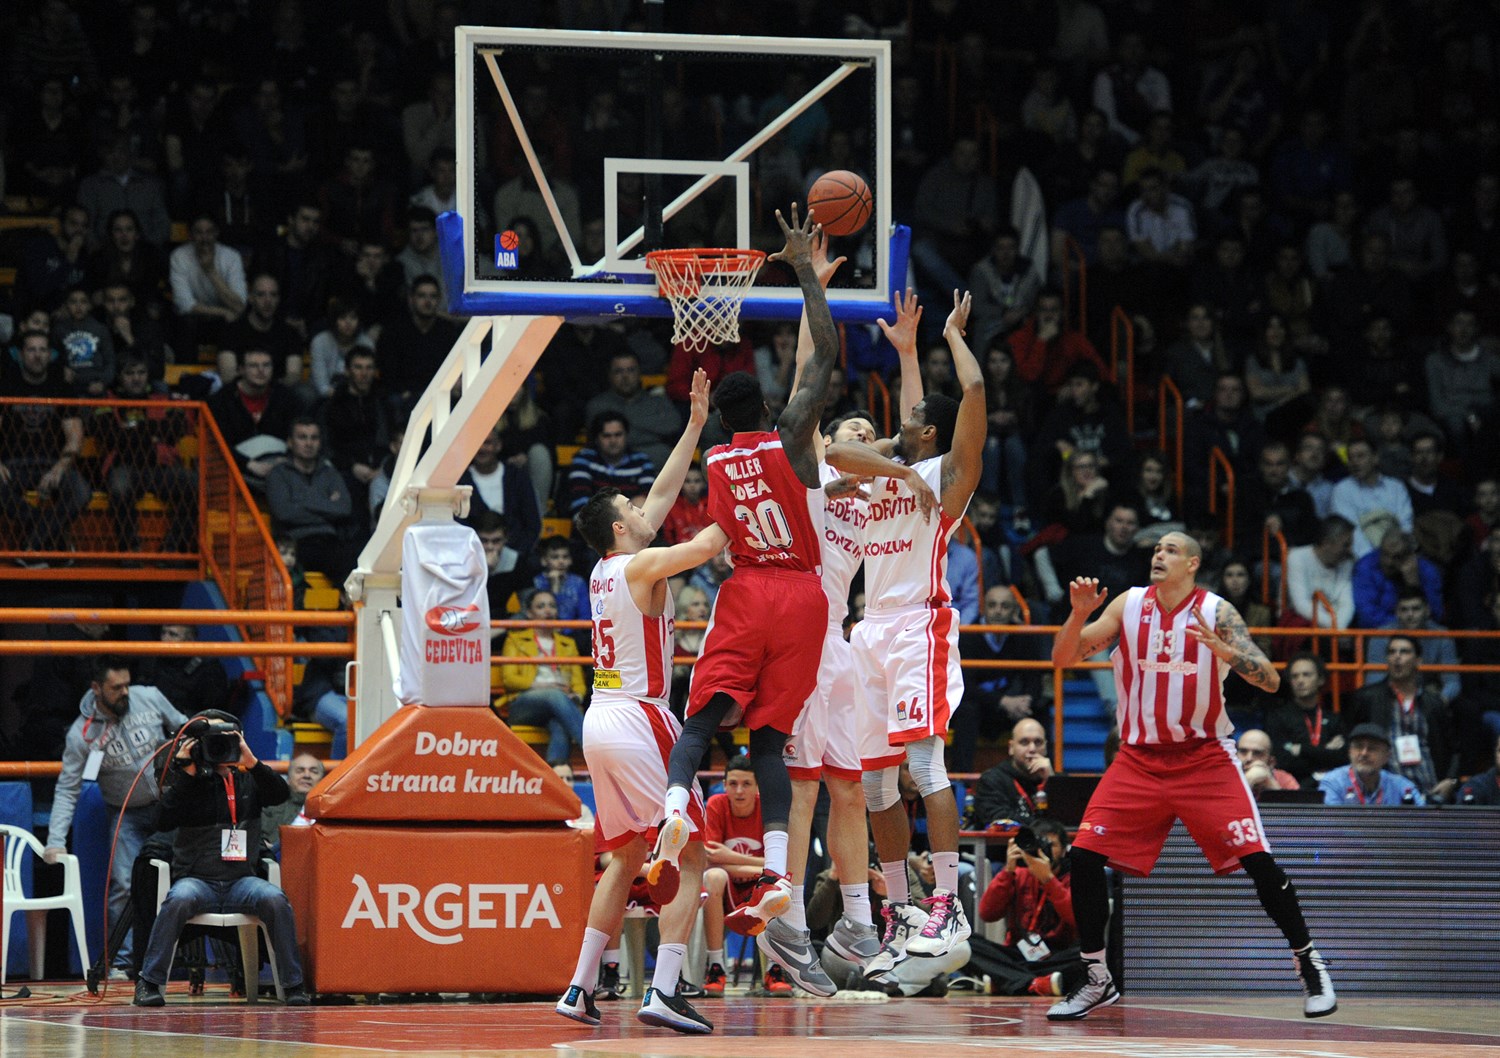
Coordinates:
(509, 240)
(841, 202)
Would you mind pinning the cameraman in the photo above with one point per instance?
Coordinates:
(118, 731)
(213, 796)
(1034, 896)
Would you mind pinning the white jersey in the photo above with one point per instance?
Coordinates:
(632, 652)
(906, 558)
(1171, 688)
(843, 547)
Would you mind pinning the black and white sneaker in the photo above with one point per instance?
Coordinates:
(1098, 990)
(578, 1004)
(1312, 969)
(609, 988)
(688, 990)
(672, 1012)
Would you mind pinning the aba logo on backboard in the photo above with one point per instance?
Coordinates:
(507, 255)
(452, 620)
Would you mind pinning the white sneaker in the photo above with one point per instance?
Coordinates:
(902, 923)
(946, 927)
(1097, 990)
(672, 1012)
(578, 1004)
(1312, 968)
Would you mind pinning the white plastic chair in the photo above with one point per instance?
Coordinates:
(249, 926)
(17, 843)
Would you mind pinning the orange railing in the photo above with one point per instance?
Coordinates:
(1122, 333)
(876, 389)
(1266, 538)
(1168, 393)
(1217, 459)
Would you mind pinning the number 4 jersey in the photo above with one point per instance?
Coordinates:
(773, 521)
(632, 652)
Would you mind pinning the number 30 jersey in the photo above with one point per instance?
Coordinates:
(632, 652)
(773, 521)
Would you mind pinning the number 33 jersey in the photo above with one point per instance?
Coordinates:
(632, 652)
(773, 521)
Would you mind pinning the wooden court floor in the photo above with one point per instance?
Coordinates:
(63, 1022)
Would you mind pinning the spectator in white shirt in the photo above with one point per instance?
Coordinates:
(208, 284)
(1160, 224)
(1324, 566)
(1365, 491)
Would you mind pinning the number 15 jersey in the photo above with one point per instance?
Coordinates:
(773, 521)
(632, 652)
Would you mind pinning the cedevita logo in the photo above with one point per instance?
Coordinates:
(452, 621)
(439, 914)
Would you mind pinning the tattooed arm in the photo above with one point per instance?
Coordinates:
(1077, 640)
(1230, 641)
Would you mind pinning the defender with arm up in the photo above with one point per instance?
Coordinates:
(1175, 644)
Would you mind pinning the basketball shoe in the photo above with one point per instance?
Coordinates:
(946, 927)
(902, 923)
(1312, 968)
(793, 950)
(776, 981)
(662, 874)
(577, 1004)
(771, 898)
(687, 990)
(1046, 985)
(714, 980)
(609, 988)
(854, 941)
(1098, 990)
(672, 1012)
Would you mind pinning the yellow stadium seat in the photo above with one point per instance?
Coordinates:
(562, 527)
(320, 599)
(652, 381)
(566, 454)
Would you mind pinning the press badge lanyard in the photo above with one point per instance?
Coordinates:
(1360, 793)
(1040, 804)
(232, 845)
(1315, 734)
(95, 759)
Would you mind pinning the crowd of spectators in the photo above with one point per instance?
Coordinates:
(1298, 214)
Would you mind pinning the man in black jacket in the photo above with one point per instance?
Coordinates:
(1013, 789)
(1420, 725)
(1307, 737)
(216, 812)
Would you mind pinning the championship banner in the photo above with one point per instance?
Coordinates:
(450, 909)
(445, 617)
(439, 765)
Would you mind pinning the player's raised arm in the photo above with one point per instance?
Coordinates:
(965, 460)
(825, 269)
(669, 481)
(658, 563)
(798, 424)
(1077, 640)
(850, 457)
(1230, 641)
(903, 336)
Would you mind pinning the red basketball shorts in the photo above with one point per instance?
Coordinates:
(762, 647)
(1147, 788)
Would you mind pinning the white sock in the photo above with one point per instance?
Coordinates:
(945, 871)
(668, 968)
(857, 903)
(716, 957)
(797, 916)
(677, 801)
(612, 955)
(775, 842)
(586, 973)
(897, 891)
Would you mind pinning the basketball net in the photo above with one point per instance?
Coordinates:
(706, 289)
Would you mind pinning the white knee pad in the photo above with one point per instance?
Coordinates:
(927, 769)
(882, 788)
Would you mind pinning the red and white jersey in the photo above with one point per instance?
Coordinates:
(632, 652)
(773, 521)
(906, 558)
(1171, 687)
(843, 546)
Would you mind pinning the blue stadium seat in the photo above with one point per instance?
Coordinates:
(585, 792)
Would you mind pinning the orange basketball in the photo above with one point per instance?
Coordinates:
(841, 202)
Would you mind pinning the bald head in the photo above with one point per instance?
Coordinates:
(1028, 740)
(1187, 543)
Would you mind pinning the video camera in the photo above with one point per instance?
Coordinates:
(217, 739)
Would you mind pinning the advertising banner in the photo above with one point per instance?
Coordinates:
(445, 617)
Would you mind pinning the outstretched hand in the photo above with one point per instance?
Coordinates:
(820, 262)
(958, 319)
(1085, 595)
(698, 399)
(799, 238)
(903, 333)
(1199, 632)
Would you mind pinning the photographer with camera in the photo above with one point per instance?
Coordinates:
(117, 732)
(213, 796)
(1040, 955)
